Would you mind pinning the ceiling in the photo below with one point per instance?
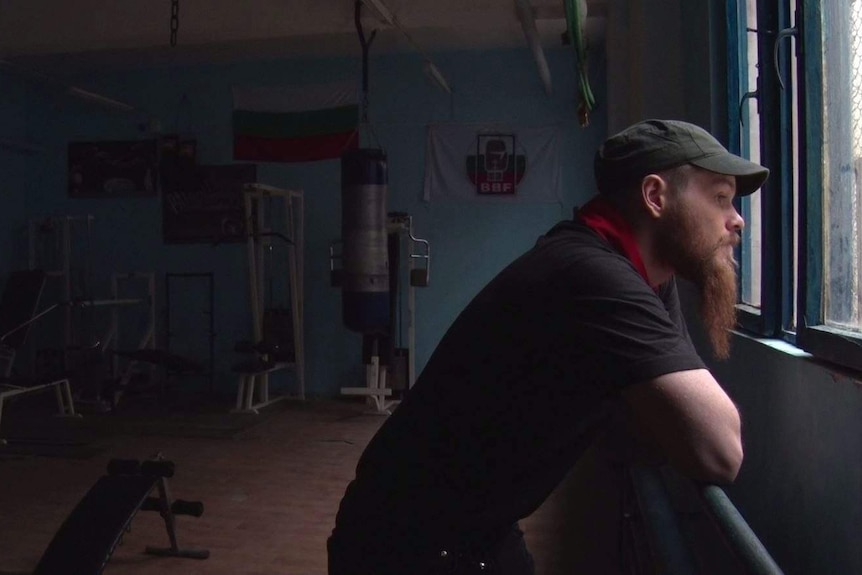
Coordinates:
(62, 37)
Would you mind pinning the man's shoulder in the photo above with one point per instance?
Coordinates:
(574, 248)
(572, 230)
(573, 237)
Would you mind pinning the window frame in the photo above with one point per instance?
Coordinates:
(773, 104)
(812, 334)
(825, 342)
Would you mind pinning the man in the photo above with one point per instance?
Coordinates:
(582, 328)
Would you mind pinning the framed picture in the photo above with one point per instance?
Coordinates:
(113, 169)
(207, 207)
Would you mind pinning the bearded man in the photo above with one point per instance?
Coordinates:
(582, 328)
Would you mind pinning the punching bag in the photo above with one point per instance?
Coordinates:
(365, 258)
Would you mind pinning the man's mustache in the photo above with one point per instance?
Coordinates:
(733, 240)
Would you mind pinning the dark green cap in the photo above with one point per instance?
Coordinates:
(655, 145)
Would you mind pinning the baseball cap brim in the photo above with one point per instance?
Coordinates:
(749, 176)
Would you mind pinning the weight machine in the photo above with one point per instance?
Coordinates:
(54, 247)
(61, 247)
(18, 310)
(273, 221)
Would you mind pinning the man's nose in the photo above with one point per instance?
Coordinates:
(736, 223)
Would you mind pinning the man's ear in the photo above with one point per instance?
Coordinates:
(654, 191)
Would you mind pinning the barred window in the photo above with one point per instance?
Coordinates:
(796, 107)
(750, 258)
(842, 166)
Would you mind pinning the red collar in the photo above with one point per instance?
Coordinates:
(602, 217)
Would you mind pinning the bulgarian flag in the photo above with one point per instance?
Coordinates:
(294, 124)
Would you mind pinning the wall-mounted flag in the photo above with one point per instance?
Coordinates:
(480, 163)
(294, 124)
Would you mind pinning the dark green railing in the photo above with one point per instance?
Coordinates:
(671, 553)
(737, 534)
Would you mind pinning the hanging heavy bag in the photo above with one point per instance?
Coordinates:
(365, 260)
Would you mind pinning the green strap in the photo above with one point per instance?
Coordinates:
(573, 23)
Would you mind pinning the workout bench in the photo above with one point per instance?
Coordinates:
(253, 387)
(87, 538)
(65, 404)
(254, 382)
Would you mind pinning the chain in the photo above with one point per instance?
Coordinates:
(175, 20)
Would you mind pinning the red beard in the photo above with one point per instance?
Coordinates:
(708, 265)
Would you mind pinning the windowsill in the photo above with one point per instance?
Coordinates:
(837, 372)
(748, 308)
(776, 344)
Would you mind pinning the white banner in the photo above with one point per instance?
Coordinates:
(492, 163)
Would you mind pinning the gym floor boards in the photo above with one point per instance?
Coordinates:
(270, 486)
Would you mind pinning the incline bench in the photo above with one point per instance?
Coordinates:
(87, 538)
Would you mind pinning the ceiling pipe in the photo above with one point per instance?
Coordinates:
(74, 91)
(531, 33)
(430, 68)
(381, 8)
(99, 100)
(437, 76)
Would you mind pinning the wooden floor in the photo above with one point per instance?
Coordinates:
(270, 491)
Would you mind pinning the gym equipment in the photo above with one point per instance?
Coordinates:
(401, 223)
(142, 355)
(61, 247)
(144, 348)
(380, 355)
(135, 355)
(365, 258)
(18, 306)
(272, 215)
(369, 254)
(87, 538)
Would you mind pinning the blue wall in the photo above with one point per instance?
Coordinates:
(470, 243)
(22, 168)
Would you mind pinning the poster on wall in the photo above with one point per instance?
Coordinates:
(209, 207)
(112, 169)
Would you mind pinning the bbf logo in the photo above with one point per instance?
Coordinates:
(496, 168)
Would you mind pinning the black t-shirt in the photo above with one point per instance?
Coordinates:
(516, 390)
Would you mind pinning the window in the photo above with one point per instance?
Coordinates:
(761, 130)
(842, 155)
(749, 146)
(799, 112)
